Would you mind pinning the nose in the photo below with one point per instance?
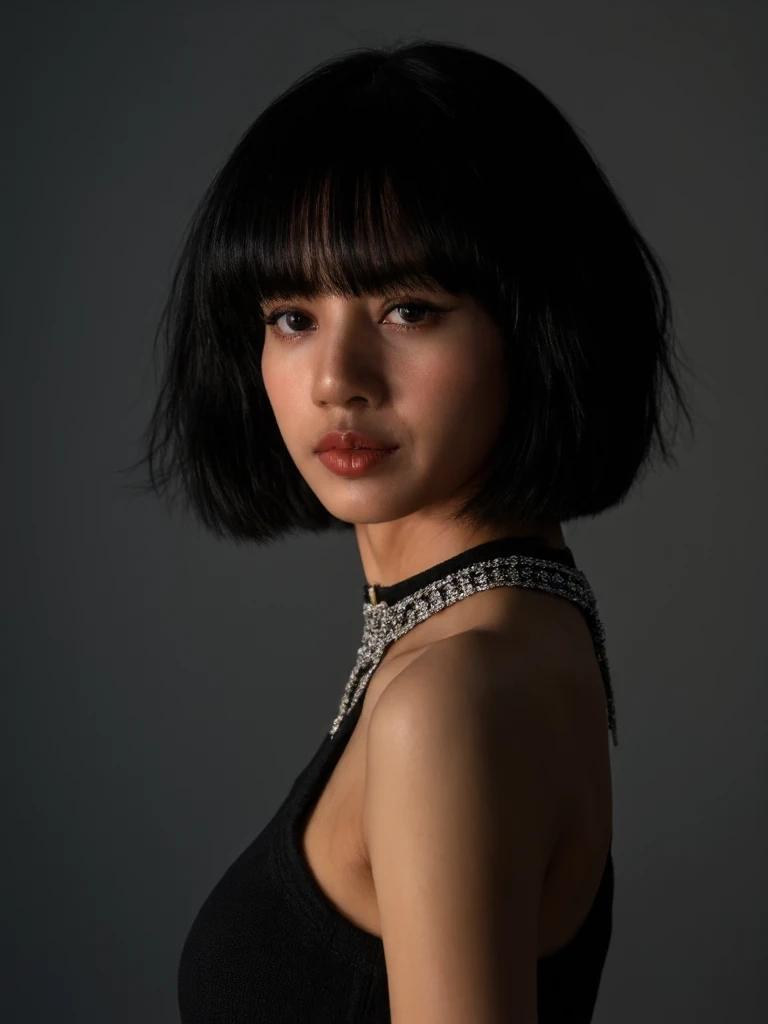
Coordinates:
(348, 363)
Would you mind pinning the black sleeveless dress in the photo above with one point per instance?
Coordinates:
(268, 946)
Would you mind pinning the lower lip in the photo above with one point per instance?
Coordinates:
(354, 461)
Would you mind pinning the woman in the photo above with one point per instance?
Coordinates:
(410, 305)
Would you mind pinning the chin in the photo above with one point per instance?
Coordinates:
(370, 508)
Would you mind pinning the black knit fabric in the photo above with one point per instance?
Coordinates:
(268, 946)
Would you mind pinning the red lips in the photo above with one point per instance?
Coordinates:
(350, 439)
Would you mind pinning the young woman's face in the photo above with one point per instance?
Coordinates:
(437, 391)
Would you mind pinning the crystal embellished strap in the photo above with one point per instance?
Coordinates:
(383, 623)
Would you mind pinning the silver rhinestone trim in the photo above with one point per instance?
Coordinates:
(383, 624)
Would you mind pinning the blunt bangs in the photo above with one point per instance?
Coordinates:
(361, 204)
(418, 165)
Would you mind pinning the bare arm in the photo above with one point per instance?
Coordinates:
(460, 817)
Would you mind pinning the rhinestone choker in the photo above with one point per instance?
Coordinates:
(389, 612)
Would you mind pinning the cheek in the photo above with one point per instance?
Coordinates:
(466, 391)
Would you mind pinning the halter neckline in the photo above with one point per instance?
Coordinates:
(533, 546)
(389, 612)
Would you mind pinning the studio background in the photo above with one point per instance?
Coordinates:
(161, 689)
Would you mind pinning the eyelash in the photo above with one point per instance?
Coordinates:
(436, 315)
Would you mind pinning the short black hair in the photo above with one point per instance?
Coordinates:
(415, 164)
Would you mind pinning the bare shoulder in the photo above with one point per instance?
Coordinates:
(522, 709)
(471, 698)
(494, 676)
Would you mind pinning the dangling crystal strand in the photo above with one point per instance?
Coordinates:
(383, 624)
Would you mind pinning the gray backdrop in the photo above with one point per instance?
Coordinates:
(162, 690)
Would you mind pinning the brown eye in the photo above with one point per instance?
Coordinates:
(426, 315)
(292, 315)
(411, 310)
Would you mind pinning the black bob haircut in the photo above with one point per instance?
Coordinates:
(408, 166)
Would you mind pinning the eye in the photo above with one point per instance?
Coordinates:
(411, 308)
(414, 308)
